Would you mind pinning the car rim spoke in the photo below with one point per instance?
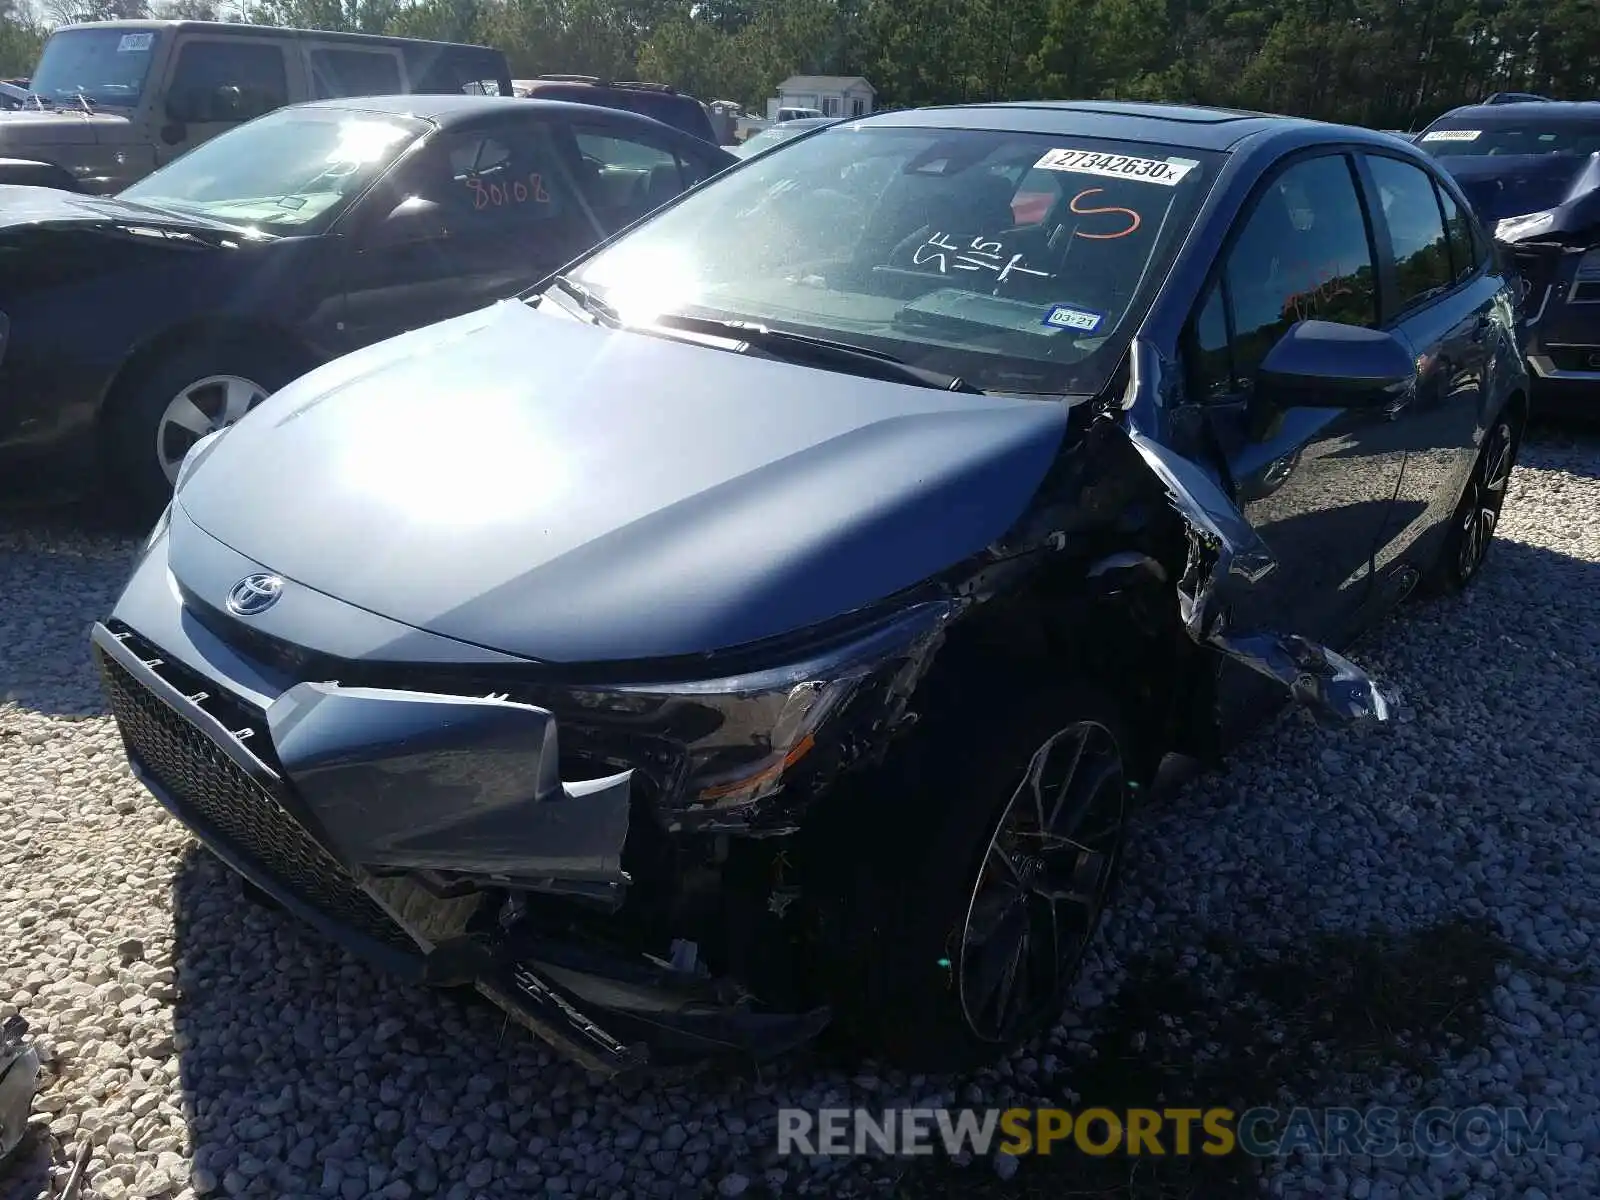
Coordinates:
(201, 408)
(242, 396)
(1487, 492)
(990, 968)
(1043, 881)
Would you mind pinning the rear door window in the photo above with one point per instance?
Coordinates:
(1466, 252)
(346, 72)
(1416, 230)
(625, 175)
(232, 79)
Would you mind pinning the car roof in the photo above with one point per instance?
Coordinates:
(803, 123)
(1182, 125)
(286, 32)
(1522, 110)
(451, 108)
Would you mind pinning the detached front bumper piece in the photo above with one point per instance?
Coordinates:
(227, 769)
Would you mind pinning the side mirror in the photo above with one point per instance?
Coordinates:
(1323, 364)
(414, 219)
(182, 107)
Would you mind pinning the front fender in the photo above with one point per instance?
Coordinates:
(36, 173)
(1225, 556)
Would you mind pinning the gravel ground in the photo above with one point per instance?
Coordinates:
(1400, 918)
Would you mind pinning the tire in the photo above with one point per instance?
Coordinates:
(1477, 513)
(224, 377)
(905, 981)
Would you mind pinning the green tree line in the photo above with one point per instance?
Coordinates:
(1385, 63)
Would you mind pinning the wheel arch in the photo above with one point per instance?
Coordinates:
(1517, 408)
(159, 347)
(1109, 617)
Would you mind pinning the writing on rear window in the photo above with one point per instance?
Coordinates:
(498, 195)
(1168, 172)
(1452, 135)
(946, 254)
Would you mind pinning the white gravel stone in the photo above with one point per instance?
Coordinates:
(204, 1046)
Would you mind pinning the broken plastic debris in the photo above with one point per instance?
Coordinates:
(684, 955)
(19, 1079)
(1226, 552)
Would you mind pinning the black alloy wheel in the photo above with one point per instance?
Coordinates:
(1042, 884)
(1479, 513)
(961, 882)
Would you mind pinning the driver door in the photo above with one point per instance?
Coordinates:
(506, 216)
(215, 84)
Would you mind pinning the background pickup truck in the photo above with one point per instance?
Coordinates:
(111, 101)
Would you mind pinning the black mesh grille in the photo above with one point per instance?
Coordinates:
(203, 781)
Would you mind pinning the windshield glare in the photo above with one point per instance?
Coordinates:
(105, 66)
(765, 139)
(1020, 262)
(1456, 139)
(291, 171)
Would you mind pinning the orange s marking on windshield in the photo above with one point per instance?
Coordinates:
(1132, 216)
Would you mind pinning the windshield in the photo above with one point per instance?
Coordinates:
(292, 171)
(105, 66)
(1453, 139)
(764, 140)
(1015, 261)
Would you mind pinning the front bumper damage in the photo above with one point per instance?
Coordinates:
(322, 802)
(412, 827)
(1561, 314)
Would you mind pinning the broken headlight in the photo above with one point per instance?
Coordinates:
(740, 736)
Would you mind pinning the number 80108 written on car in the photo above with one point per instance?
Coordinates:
(1168, 172)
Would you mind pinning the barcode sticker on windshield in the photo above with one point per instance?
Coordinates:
(1452, 135)
(1168, 172)
(135, 41)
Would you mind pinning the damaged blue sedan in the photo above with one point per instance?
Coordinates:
(766, 624)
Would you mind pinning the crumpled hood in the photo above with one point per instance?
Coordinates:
(21, 205)
(1512, 185)
(24, 127)
(564, 492)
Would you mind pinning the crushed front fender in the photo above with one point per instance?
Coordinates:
(1226, 555)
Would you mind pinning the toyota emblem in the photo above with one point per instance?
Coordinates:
(254, 594)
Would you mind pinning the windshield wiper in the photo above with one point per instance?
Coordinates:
(858, 360)
(588, 300)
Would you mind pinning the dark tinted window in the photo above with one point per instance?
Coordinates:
(443, 71)
(626, 177)
(355, 73)
(1416, 229)
(1458, 137)
(498, 178)
(1466, 252)
(1211, 365)
(232, 80)
(1303, 254)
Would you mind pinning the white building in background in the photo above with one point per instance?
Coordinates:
(831, 95)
